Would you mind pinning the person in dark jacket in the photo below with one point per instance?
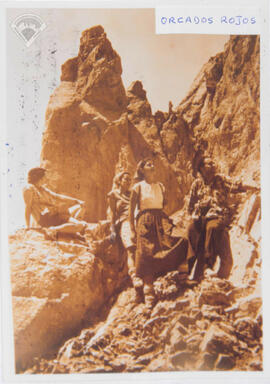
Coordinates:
(211, 213)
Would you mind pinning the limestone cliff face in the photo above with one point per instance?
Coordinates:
(223, 109)
(83, 136)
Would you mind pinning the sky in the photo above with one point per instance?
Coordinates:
(166, 65)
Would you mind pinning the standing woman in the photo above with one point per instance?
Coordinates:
(118, 199)
(157, 252)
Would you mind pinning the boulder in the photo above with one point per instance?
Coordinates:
(208, 362)
(218, 341)
(249, 306)
(214, 294)
(247, 329)
(181, 358)
(224, 362)
(53, 291)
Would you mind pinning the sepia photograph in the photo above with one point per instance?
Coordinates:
(134, 195)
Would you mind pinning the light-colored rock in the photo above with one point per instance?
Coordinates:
(249, 213)
(52, 293)
(211, 312)
(193, 343)
(214, 297)
(245, 253)
(90, 133)
(229, 114)
(176, 336)
(217, 341)
(71, 348)
(249, 306)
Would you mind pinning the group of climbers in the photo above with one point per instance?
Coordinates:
(138, 220)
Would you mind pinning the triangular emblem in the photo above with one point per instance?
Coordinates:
(28, 27)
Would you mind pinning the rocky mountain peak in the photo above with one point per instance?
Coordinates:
(96, 72)
(91, 38)
(136, 89)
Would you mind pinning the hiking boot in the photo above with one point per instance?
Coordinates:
(149, 296)
(137, 282)
(185, 281)
(190, 283)
(150, 301)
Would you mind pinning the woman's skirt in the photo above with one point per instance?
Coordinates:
(157, 251)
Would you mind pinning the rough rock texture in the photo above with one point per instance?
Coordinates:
(53, 286)
(140, 112)
(63, 295)
(223, 109)
(169, 137)
(216, 325)
(86, 127)
(186, 330)
(88, 133)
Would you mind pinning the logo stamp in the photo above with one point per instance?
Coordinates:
(28, 27)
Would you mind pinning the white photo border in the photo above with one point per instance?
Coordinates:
(164, 377)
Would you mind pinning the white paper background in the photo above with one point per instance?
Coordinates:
(209, 20)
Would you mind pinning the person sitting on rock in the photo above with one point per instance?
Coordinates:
(51, 211)
(208, 235)
(118, 199)
(157, 252)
